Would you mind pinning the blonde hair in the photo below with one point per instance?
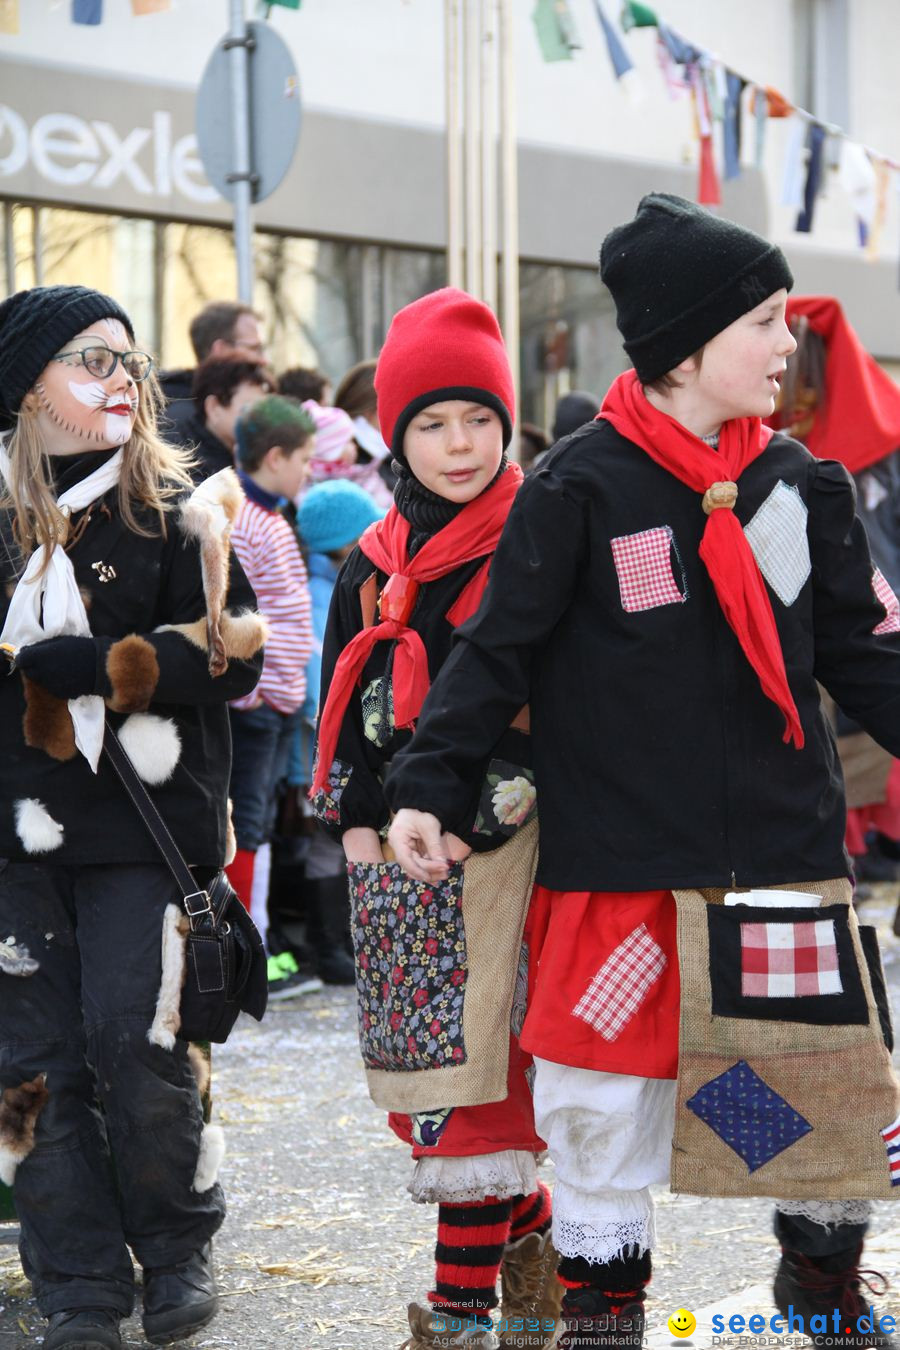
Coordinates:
(154, 475)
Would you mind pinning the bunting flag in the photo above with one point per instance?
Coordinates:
(731, 125)
(792, 176)
(857, 178)
(815, 142)
(555, 28)
(709, 192)
(150, 6)
(622, 64)
(285, 4)
(882, 177)
(621, 61)
(637, 16)
(87, 11)
(9, 16)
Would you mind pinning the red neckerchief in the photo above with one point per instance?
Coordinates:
(471, 534)
(724, 549)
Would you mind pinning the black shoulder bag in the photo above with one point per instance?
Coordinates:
(226, 968)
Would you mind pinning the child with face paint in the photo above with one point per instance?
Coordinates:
(106, 609)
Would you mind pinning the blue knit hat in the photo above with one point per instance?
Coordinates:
(334, 514)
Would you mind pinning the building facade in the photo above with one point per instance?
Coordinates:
(100, 180)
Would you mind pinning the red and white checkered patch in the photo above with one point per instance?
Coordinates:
(644, 566)
(789, 960)
(885, 596)
(620, 986)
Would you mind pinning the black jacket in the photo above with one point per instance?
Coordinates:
(157, 585)
(658, 760)
(369, 740)
(176, 386)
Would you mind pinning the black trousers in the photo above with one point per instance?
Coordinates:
(117, 1143)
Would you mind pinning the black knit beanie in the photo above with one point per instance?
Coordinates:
(679, 275)
(34, 325)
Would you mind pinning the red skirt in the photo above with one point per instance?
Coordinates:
(466, 1131)
(883, 817)
(603, 981)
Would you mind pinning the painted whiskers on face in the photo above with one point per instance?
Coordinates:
(116, 427)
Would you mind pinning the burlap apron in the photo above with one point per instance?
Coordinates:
(785, 1082)
(436, 974)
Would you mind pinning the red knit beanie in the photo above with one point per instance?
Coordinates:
(445, 346)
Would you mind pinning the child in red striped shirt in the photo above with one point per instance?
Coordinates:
(274, 440)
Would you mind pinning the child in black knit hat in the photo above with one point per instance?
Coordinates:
(669, 588)
(106, 611)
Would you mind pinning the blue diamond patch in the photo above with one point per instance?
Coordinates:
(744, 1112)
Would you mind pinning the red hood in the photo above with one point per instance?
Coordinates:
(860, 422)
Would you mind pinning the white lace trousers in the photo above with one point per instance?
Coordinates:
(610, 1138)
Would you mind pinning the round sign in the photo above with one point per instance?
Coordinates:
(274, 113)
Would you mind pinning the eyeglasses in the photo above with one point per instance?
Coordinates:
(101, 362)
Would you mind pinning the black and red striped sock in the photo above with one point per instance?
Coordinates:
(469, 1250)
(530, 1213)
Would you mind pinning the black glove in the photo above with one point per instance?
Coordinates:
(64, 666)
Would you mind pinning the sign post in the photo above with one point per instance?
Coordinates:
(248, 122)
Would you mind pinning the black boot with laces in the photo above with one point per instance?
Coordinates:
(830, 1288)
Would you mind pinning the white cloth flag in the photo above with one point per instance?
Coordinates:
(51, 605)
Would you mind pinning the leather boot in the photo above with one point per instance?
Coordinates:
(830, 1287)
(84, 1329)
(529, 1307)
(179, 1300)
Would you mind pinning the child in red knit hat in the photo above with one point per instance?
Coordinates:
(434, 1009)
(670, 586)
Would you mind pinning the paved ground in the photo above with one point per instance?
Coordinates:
(323, 1248)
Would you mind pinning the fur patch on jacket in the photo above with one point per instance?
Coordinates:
(209, 1159)
(133, 673)
(47, 723)
(242, 635)
(36, 828)
(153, 745)
(208, 516)
(19, 1110)
(167, 1018)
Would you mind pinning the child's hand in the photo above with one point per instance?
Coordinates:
(420, 848)
(362, 845)
(349, 454)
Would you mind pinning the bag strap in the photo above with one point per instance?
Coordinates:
(196, 902)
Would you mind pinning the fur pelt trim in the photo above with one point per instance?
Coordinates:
(230, 837)
(208, 516)
(243, 635)
(47, 723)
(153, 745)
(35, 826)
(167, 1018)
(19, 1110)
(209, 1160)
(133, 672)
(200, 1067)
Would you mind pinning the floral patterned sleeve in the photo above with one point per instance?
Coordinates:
(354, 795)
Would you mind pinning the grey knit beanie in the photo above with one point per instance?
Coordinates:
(34, 325)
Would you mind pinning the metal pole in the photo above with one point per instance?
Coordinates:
(240, 131)
(509, 316)
(472, 74)
(488, 152)
(454, 145)
(9, 248)
(37, 245)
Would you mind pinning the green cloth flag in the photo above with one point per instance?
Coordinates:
(635, 15)
(555, 30)
(286, 4)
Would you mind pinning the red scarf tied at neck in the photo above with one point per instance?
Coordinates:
(724, 549)
(471, 534)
